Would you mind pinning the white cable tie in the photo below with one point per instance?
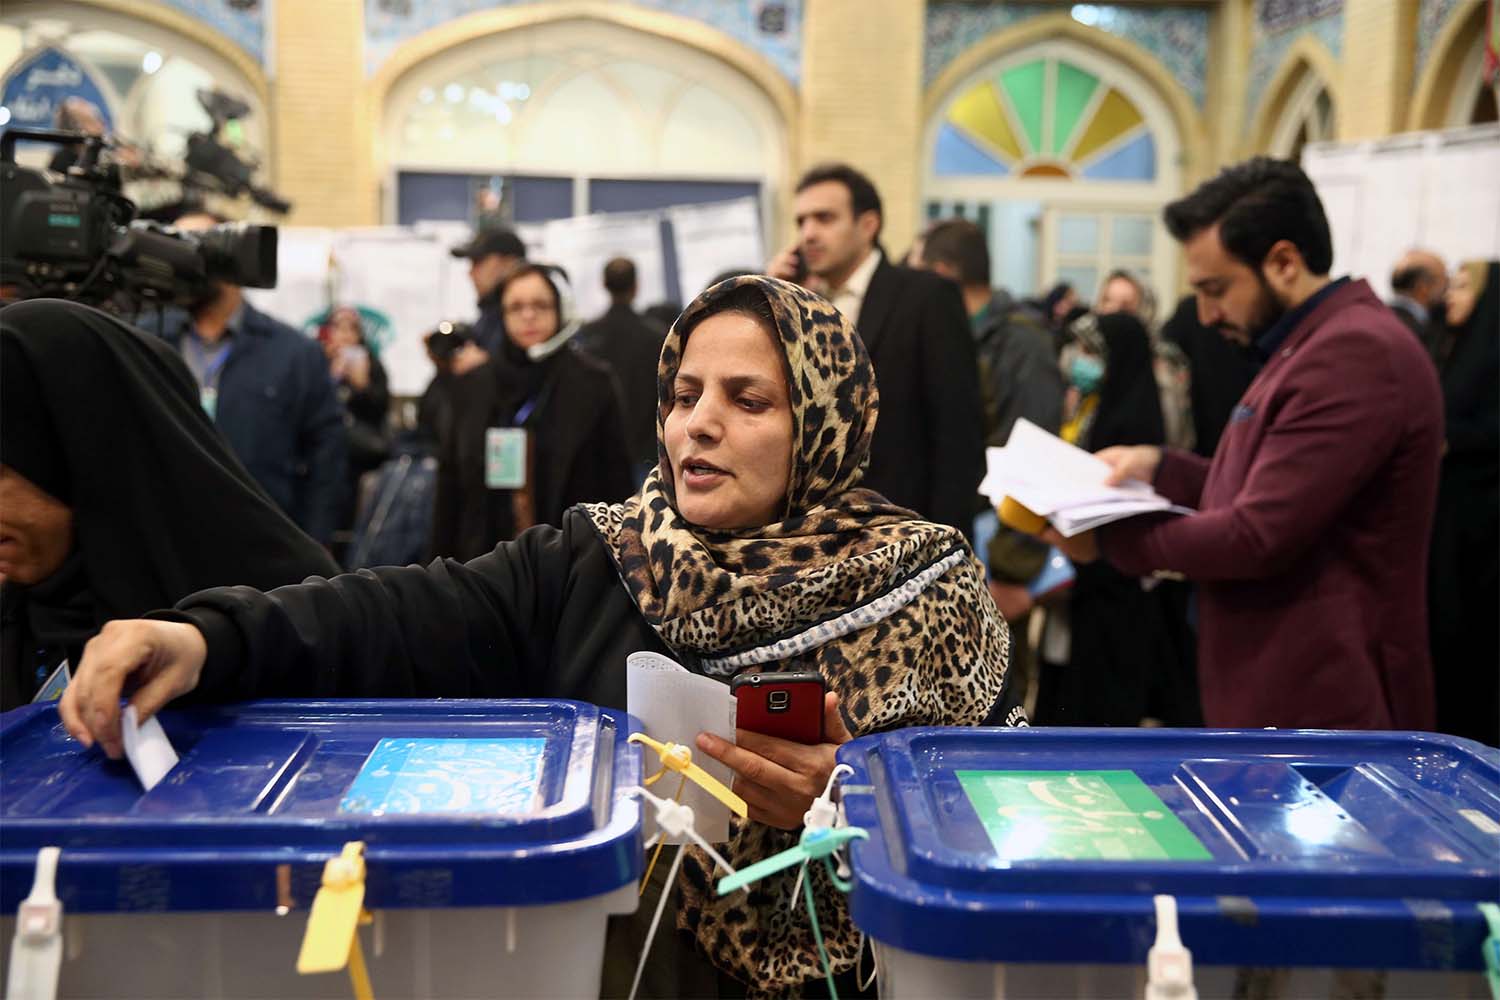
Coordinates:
(796, 896)
(864, 985)
(1169, 966)
(36, 950)
(677, 819)
(661, 904)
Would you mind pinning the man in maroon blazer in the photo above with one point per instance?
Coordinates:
(1311, 539)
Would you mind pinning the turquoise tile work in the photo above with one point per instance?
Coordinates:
(771, 27)
(244, 27)
(1176, 36)
(1278, 25)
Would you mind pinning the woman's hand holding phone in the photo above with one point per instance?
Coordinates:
(778, 779)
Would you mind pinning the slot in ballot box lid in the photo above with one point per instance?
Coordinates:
(459, 803)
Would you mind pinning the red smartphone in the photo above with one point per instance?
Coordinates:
(787, 706)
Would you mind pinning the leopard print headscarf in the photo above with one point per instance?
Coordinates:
(891, 610)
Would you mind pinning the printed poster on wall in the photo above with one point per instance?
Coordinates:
(711, 239)
(584, 244)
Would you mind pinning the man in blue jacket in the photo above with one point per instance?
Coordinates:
(267, 388)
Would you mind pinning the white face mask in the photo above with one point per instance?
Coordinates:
(567, 317)
(537, 352)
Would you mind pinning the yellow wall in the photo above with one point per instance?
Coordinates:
(862, 99)
(320, 118)
(1380, 41)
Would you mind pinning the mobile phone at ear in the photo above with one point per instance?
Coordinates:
(786, 706)
(801, 258)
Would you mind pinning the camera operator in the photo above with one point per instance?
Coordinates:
(445, 344)
(268, 389)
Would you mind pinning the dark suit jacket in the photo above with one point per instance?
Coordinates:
(1313, 530)
(624, 341)
(928, 452)
(1412, 322)
(279, 411)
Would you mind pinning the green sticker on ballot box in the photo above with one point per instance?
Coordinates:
(1077, 816)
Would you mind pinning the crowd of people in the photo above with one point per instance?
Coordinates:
(785, 476)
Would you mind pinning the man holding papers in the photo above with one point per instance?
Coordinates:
(1310, 540)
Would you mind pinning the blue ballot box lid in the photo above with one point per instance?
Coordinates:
(1282, 847)
(459, 803)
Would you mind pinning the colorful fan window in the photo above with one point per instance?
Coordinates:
(1047, 119)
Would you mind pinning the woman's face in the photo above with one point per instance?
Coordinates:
(36, 530)
(729, 432)
(343, 329)
(1460, 298)
(530, 310)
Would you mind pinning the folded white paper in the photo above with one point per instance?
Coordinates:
(147, 748)
(1064, 483)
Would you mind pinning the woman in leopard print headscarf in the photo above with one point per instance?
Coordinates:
(751, 547)
(890, 609)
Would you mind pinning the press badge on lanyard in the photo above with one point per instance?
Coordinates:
(55, 684)
(505, 451)
(505, 458)
(208, 389)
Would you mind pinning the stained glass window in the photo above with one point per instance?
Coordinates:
(1045, 118)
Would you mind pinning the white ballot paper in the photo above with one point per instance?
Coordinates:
(147, 748)
(1064, 483)
(674, 706)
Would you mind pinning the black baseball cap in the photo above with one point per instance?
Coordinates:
(488, 241)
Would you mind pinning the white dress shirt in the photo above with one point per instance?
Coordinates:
(849, 297)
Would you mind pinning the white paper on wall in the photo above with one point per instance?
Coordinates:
(301, 276)
(1432, 190)
(584, 244)
(711, 239)
(402, 276)
(1461, 211)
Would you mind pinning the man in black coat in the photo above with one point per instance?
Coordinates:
(928, 452)
(630, 346)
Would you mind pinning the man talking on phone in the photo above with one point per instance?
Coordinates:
(928, 452)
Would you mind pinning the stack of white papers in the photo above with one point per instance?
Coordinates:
(1063, 483)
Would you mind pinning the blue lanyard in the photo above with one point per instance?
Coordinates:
(525, 411)
(211, 369)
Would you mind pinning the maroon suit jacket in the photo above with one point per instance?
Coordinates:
(1310, 545)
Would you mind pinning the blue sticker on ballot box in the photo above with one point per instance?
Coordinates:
(500, 777)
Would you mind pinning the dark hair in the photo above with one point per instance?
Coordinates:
(619, 276)
(1406, 279)
(1055, 295)
(1256, 204)
(733, 272)
(545, 272)
(747, 300)
(961, 245)
(862, 194)
(665, 313)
